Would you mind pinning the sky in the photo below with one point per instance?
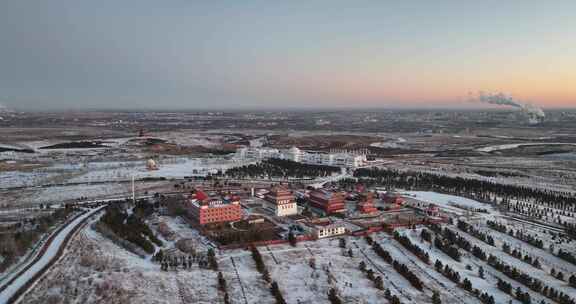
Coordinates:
(150, 54)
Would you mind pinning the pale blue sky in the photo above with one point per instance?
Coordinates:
(235, 54)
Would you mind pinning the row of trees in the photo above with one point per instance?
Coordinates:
(566, 256)
(506, 287)
(537, 211)
(223, 287)
(281, 168)
(445, 270)
(517, 254)
(333, 296)
(173, 262)
(130, 227)
(253, 234)
(450, 238)
(448, 272)
(483, 236)
(417, 251)
(261, 267)
(557, 274)
(517, 275)
(402, 269)
(478, 189)
(377, 280)
(518, 234)
(572, 281)
(448, 247)
(18, 240)
(532, 283)
(455, 240)
(466, 284)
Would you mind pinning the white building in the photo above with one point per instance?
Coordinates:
(257, 153)
(338, 159)
(329, 230)
(294, 154)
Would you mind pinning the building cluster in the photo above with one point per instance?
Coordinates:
(349, 159)
(322, 213)
(366, 203)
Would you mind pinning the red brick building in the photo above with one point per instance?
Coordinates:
(328, 201)
(202, 209)
(394, 199)
(366, 203)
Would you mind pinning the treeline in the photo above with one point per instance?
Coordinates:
(261, 267)
(450, 241)
(281, 168)
(521, 296)
(517, 254)
(130, 227)
(417, 251)
(466, 284)
(170, 262)
(253, 234)
(536, 210)
(528, 281)
(402, 269)
(566, 256)
(477, 189)
(223, 287)
(448, 272)
(447, 243)
(483, 236)
(333, 297)
(530, 239)
(517, 275)
(377, 280)
(16, 242)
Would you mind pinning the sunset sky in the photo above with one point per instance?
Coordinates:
(154, 54)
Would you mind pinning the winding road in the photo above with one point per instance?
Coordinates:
(12, 289)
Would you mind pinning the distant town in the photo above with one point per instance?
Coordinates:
(444, 214)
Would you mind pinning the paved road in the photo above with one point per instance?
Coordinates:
(16, 286)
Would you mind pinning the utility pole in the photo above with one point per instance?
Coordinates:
(133, 191)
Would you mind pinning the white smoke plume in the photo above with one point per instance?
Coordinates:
(535, 114)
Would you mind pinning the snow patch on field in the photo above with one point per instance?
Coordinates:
(514, 146)
(445, 200)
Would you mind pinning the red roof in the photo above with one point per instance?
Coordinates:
(200, 195)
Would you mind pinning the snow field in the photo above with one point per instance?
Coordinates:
(547, 260)
(488, 284)
(541, 275)
(50, 254)
(102, 272)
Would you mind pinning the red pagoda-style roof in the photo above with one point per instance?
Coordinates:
(200, 195)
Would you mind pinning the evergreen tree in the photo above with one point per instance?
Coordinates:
(436, 298)
(292, 239)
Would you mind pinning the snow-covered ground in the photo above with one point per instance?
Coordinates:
(540, 274)
(49, 254)
(94, 268)
(514, 146)
(445, 201)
